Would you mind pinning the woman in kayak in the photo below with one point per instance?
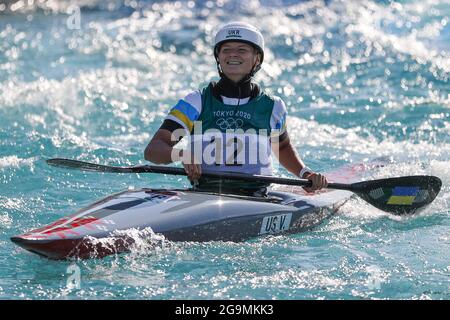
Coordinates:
(233, 124)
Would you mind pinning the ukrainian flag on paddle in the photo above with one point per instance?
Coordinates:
(403, 195)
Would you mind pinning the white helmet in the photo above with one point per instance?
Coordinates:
(241, 32)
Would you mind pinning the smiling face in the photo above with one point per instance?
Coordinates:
(237, 59)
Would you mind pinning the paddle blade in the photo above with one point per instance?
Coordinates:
(403, 195)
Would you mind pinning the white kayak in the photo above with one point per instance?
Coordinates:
(185, 215)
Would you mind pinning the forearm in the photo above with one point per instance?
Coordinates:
(291, 160)
(160, 152)
(289, 157)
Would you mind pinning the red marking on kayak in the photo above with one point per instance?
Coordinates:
(63, 231)
(84, 221)
(61, 235)
(54, 224)
(74, 224)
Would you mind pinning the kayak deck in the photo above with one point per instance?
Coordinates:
(179, 215)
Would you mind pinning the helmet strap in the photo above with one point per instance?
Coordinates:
(255, 69)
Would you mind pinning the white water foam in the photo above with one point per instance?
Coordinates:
(16, 162)
(351, 142)
(141, 242)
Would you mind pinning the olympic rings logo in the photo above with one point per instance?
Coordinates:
(229, 123)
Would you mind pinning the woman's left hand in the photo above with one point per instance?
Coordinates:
(319, 181)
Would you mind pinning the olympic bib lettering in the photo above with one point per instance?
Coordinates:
(232, 113)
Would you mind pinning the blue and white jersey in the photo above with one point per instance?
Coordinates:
(233, 135)
(188, 110)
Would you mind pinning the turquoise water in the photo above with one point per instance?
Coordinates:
(361, 79)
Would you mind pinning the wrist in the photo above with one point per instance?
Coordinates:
(305, 170)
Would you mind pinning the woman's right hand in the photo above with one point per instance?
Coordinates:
(192, 168)
(194, 171)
